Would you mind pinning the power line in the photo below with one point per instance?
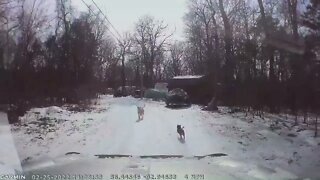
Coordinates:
(106, 18)
(97, 15)
(117, 39)
(87, 6)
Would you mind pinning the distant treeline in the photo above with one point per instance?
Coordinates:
(262, 55)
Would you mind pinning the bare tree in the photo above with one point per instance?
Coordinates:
(31, 22)
(229, 53)
(124, 44)
(151, 36)
(176, 56)
(64, 14)
(8, 24)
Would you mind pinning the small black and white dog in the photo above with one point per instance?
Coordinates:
(180, 131)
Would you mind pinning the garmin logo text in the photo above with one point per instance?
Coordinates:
(12, 176)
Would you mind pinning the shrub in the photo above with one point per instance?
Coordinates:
(155, 94)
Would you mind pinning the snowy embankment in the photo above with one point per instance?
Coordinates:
(9, 159)
(110, 127)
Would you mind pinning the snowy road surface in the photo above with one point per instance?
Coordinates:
(111, 127)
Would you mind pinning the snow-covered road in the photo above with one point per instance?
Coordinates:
(117, 130)
(122, 133)
(111, 127)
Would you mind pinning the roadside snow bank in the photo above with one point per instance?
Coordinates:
(9, 159)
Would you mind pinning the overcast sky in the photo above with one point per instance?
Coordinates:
(123, 14)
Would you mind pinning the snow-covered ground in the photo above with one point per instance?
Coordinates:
(9, 159)
(110, 126)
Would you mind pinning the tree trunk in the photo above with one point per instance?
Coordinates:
(263, 16)
(229, 65)
(270, 53)
(316, 127)
(305, 117)
(228, 36)
(123, 75)
(216, 63)
(292, 6)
